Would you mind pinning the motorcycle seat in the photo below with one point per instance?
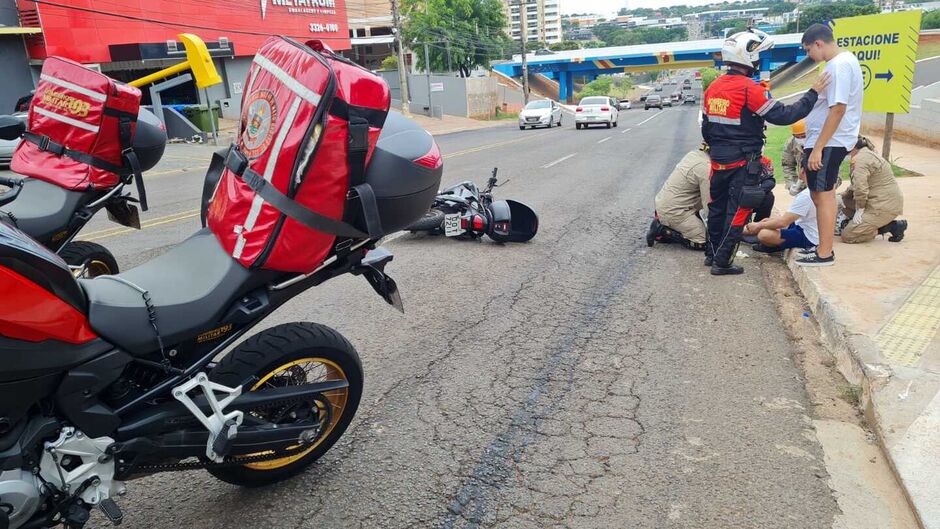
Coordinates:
(190, 287)
(43, 210)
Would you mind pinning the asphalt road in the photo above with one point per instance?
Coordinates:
(580, 380)
(927, 71)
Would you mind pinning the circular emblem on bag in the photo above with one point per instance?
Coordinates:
(259, 116)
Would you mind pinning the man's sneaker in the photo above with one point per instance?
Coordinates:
(814, 259)
(763, 248)
(730, 270)
(750, 239)
(898, 227)
(653, 232)
(803, 252)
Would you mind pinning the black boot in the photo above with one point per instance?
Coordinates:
(651, 234)
(896, 228)
(708, 261)
(729, 270)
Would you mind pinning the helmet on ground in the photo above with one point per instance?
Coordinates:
(799, 128)
(744, 48)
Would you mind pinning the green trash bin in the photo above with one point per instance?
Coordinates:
(199, 116)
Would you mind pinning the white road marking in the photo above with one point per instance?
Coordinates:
(605, 139)
(649, 118)
(558, 161)
(626, 131)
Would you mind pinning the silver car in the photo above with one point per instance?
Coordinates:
(541, 113)
(596, 110)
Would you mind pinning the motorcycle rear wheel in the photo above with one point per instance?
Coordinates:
(92, 259)
(293, 354)
(432, 220)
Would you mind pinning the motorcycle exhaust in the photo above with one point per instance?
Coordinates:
(511, 221)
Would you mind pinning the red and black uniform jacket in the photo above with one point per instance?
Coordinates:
(734, 110)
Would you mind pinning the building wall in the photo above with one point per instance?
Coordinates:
(453, 100)
(17, 78)
(543, 22)
(482, 97)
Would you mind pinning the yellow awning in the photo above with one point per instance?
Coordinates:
(5, 30)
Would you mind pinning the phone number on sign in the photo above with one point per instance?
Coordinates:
(316, 27)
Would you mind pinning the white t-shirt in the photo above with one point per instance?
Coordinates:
(803, 206)
(846, 86)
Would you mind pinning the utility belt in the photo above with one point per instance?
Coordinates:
(757, 183)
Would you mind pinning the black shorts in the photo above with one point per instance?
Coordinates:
(826, 178)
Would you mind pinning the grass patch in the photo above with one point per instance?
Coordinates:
(505, 115)
(900, 172)
(776, 138)
(928, 49)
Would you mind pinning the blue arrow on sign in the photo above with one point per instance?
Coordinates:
(886, 76)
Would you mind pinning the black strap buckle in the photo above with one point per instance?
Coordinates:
(46, 144)
(358, 135)
(236, 162)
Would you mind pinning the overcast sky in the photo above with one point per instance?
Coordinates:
(605, 7)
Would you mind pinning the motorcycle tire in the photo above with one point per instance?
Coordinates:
(278, 356)
(92, 259)
(432, 220)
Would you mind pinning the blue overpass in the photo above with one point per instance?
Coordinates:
(565, 66)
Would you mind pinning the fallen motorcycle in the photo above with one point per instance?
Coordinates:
(110, 379)
(466, 212)
(53, 214)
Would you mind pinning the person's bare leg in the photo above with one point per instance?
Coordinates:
(825, 202)
(769, 237)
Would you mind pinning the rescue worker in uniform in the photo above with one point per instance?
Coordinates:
(734, 110)
(791, 158)
(873, 200)
(679, 201)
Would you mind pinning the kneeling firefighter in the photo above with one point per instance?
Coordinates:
(734, 110)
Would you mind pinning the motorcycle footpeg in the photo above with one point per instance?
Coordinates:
(222, 444)
(111, 511)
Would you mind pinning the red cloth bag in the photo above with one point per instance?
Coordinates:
(81, 123)
(305, 138)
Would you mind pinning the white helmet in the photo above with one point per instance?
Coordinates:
(744, 48)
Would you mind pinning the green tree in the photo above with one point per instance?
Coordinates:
(607, 85)
(708, 75)
(565, 45)
(471, 31)
(931, 20)
(591, 44)
(823, 13)
(390, 63)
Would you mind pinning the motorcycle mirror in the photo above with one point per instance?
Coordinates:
(11, 127)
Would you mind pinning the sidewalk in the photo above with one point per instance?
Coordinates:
(879, 309)
(228, 127)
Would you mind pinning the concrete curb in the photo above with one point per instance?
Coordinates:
(858, 359)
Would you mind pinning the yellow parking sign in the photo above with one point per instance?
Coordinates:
(886, 47)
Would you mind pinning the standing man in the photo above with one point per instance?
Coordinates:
(793, 157)
(734, 109)
(831, 132)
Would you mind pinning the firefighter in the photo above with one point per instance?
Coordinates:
(873, 200)
(792, 155)
(679, 201)
(734, 110)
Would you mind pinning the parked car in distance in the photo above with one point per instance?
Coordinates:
(653, 101)
(541, 113)
(596, 110)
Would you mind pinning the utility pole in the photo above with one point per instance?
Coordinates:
(523, 22)
(427, 68)
(402, 74)
(450, 68)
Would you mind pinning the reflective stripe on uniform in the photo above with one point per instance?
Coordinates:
(97, 96)
(765, 108)
(65, 119)
(724, 121)
(294, 85)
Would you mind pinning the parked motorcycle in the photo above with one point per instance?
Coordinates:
(54, 215)
(111, 379)
(464, 211)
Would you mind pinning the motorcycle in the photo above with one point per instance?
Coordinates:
(53, 215)
(110, 379)
(466, 212)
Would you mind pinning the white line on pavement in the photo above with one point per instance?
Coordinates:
(558, 161)
(649, 118)
(626, 131)
(605, 139)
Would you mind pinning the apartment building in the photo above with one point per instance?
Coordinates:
(543, 19)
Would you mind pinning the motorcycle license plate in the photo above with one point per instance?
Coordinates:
(452, 225)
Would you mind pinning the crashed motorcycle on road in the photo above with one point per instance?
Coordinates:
(110, 379)
(466, 212)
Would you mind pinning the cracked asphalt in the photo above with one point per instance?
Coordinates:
(578, 381)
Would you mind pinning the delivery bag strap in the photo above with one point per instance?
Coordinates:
(211, 182)
(126, 122)
(360, 120)
(237, 163)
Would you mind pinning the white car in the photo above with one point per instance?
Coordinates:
(541, 113)
(624, 105)
(596, 110)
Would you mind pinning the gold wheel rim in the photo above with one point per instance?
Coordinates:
(337, 399)
(95, 268)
